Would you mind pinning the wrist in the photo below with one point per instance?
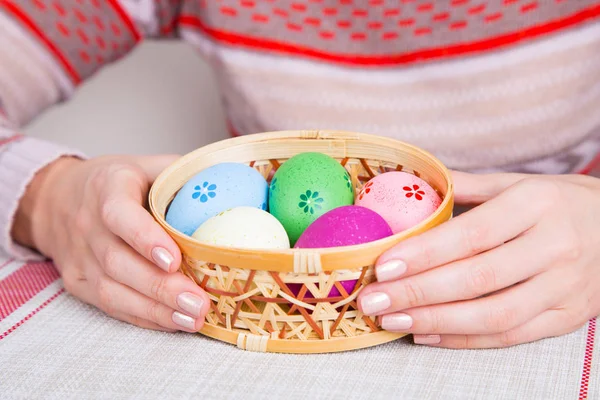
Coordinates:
(31, 218)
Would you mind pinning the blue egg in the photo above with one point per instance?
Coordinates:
(214, 190)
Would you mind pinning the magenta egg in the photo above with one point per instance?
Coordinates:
(342, 226)
(402, 199)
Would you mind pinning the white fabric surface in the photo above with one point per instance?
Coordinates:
(69, 350)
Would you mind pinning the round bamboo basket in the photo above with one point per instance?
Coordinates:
(251, 303)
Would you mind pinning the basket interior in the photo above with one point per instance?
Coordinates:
(363, 156)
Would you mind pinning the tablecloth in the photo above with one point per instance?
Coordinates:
(53, 346)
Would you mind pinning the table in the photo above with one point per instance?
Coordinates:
(53, 346)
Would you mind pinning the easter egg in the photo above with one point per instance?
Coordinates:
(213, 190)
(305, 187)
(343, 226)
(245, 228)
(402, 199)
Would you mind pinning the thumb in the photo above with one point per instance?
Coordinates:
(475, 189)
(154, 165)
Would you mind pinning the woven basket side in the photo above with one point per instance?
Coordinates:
(262, 303)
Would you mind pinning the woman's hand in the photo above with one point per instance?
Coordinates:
(89, 217)
(521, 266)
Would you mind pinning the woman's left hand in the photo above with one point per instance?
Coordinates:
(522, 265)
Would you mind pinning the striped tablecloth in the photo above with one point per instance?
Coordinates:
(53, 346)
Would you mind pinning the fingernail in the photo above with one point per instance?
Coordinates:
(185, 321)
(390, 270)
(396, 322)
(162, 258)
(190, 303)
(375, 302)
(427, 339)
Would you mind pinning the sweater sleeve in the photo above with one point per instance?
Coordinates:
(47, 49)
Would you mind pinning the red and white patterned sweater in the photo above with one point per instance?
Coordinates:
(496, 85)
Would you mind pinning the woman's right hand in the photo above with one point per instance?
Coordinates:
(89, 217)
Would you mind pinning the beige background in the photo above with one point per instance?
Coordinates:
(160, 99)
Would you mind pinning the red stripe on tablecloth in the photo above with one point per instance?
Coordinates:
(587, 361)
(483, 45)
(31, 314)
(23, 284)
(6, 263)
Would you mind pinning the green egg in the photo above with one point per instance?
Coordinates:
(305, 187)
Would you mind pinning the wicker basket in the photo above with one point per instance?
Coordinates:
(251, 304)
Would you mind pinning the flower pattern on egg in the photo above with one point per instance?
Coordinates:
(365, 190)
(310, 201)
(415, 190)
(348, 180)
(204, 192)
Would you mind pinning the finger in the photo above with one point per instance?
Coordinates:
(551, 323)
(80, 288)
(475, 189)
(154, 165)
(140, 322)
(124, 215)
(493, 223)
(472, 189)
(116, 299)
(466, 279)
(127, 267)
(496, 313)
(93, 287)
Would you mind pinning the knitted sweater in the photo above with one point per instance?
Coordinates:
(496, 85)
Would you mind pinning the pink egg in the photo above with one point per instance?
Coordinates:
(402, 199)
(342, 226)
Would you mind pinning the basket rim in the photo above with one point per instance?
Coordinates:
(321, 346)
(347, 252)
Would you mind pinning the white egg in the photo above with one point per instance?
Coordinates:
(243, 227)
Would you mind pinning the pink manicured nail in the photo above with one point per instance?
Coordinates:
(390, 270)
(427, 339)
(375, 302)
(162, 258)
(396, 322)
(190, 303)
(185, 321)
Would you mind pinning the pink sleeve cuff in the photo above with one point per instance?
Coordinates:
(19, 162)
